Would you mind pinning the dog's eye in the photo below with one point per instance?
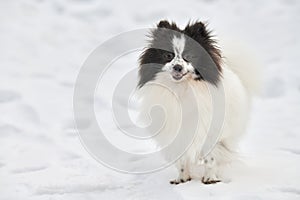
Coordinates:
(169, 56)
(187, 57)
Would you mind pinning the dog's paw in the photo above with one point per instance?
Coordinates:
(207, 181)
(210, 177)
(180, 180)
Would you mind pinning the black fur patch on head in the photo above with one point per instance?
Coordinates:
(206, 60)
(155, 56)
(204, 37)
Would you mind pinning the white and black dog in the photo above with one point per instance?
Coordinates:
(173, 60)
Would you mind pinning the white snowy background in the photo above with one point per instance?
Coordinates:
(42, 47)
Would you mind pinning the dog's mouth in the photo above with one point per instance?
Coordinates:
(178, 76)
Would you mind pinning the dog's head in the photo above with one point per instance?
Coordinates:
(181, 54)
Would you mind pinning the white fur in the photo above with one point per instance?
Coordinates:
(178, 45)
(248, 68)
(237, 101)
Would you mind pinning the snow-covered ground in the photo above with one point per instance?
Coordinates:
(42, 47)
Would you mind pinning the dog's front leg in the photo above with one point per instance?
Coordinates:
(183, 167)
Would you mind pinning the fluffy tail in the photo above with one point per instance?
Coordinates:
(244, 63)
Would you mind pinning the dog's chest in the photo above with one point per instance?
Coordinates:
(185, 108)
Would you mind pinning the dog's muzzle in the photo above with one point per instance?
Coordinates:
(177, 72)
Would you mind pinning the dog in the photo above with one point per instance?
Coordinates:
(187, 64)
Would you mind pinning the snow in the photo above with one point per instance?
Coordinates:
(43, 45)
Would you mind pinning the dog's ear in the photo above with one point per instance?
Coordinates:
(197, 29)
(163, 24)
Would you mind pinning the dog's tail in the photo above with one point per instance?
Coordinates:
(243, 62)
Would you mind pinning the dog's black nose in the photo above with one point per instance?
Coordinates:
(177, 68)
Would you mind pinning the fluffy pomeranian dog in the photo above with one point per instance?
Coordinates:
(186, 72)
